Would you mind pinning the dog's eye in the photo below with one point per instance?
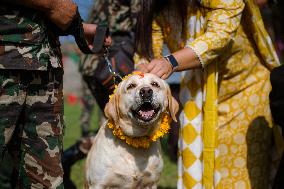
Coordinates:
(131, 86)
(155, 84)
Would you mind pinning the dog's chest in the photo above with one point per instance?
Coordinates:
(138, 172)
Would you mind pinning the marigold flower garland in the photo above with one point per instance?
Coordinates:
(143, 142)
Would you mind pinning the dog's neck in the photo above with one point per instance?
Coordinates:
(143, 141)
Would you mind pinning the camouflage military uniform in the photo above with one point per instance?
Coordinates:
(31, 99)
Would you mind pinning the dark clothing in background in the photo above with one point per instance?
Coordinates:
(277, 95)
(277, 109)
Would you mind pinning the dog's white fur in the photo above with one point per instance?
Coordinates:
(113, 164)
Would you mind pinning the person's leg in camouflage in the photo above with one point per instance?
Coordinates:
(7, 173)
(41, 143)
(87, 109)
(34, 100)
(12, 97)
(9, 166)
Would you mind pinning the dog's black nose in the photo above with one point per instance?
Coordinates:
(146, 93)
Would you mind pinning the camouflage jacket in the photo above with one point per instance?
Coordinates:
(120, 15)
(25, 40)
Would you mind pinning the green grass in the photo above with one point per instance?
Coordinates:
(72, 133)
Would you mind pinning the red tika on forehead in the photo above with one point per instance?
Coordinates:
(141, 74)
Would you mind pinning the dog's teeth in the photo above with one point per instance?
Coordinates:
(146, 114)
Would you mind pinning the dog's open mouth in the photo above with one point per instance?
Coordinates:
(146, 112)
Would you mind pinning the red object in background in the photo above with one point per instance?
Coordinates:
(72, 99)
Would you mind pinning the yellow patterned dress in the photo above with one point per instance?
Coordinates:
(226, 138)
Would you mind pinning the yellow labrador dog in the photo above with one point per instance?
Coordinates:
(136, 108)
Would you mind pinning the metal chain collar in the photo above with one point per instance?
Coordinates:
(116, 77)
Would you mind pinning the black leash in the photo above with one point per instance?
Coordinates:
(102, 31)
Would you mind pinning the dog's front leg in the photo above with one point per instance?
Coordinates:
(154, 186)
(97, 187)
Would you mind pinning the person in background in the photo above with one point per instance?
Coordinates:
(225, 57)
(31, 99)
(277, 9)
(120, 16)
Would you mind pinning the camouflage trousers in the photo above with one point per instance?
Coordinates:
(31, 125)
(87, 109)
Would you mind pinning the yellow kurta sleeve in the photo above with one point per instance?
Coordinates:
(223, 18)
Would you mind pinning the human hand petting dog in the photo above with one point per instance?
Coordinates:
(160, 67)
(157, 67)
(181, 60)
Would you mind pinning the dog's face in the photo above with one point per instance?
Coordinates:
(138, 104)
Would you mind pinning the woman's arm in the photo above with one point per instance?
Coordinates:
(223, 19)
(186, 59)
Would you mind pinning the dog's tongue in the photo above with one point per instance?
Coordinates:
(146, 114)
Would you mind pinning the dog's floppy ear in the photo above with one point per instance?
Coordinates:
(111, 109)
(173, 104)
